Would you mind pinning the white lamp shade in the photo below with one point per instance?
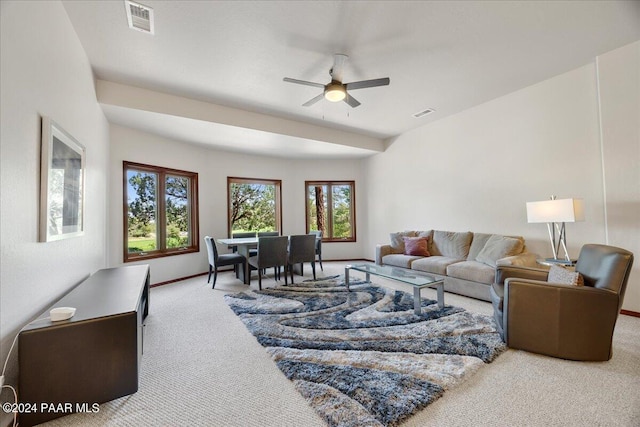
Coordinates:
(562, 210)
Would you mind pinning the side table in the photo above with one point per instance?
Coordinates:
(548, 262)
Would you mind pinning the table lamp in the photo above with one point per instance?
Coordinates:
(556, 212)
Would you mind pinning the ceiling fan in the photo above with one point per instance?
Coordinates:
(335, 90)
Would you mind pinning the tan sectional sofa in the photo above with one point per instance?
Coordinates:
(466, 260)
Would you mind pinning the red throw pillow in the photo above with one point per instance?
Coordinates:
(416, 246)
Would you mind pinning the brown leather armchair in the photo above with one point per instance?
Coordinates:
(565, 321)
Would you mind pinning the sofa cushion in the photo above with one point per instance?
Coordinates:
(434, 264)
(499, 247)
(472, 270)
(399, 260)
(397, 241)
(478, 242)
(426, 233)
(523, 259)
(451, 244)
(416, 246)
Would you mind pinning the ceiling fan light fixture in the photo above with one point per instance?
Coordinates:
(335, 92)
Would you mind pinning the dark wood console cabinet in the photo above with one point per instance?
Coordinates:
(91, 358)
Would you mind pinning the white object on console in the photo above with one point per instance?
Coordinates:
(62, 313)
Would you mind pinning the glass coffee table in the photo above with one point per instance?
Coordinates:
(415, 279)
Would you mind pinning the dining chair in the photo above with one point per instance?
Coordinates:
(216, 260)
(242, 235)
(272, 252)
(318, 243)
(253, 252)
(302, 248)
(268, 233)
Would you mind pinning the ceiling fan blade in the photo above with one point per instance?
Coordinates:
(339, 59)
(367, 83)
(351, 101)
(313, 100)
(303, 82)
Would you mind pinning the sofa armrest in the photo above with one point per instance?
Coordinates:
(525, 259)
(382, 250)
(571, 322)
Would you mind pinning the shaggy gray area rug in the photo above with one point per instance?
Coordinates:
(363, 358)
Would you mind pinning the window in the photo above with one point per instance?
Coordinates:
(331, 209)
(254, 205)
(160, 212)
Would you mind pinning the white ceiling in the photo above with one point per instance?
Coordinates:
(445, 55)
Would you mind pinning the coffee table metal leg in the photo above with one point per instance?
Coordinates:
(416, 300)
(440, 289)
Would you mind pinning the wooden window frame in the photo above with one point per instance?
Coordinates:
(329, 226)
(241, 180)
(162, 251)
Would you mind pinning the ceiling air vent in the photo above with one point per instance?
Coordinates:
(140, 17)
(423, 113)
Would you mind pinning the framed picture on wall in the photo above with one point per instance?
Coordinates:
(62, 174)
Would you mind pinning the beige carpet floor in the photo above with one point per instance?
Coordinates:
(201, 367)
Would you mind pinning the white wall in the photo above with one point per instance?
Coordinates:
(619, 78)
(477, 169)
(213, 168)
(44, 72)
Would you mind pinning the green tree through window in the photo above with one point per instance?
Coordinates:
(331, 209)
(177, 207)
(160, 211)
(141, 215)
(254, 205)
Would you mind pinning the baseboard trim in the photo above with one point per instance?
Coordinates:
(630, 313)
(177, 280)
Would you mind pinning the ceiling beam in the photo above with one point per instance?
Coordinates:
(121, 95)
